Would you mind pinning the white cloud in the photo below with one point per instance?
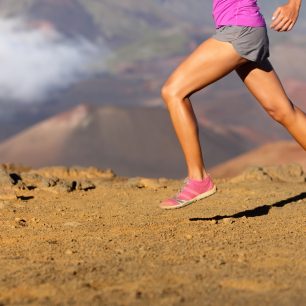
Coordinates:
(34, 62)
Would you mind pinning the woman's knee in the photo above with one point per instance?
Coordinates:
(282, 115)
(171, 92)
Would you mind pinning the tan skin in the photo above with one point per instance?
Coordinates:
(213, 60)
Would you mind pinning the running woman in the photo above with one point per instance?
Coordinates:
(241, 44)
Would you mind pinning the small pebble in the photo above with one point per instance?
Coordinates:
(228, 221)
(135, 182)
(21, 222)
(213, 221)
(85, 185)
(68, 252)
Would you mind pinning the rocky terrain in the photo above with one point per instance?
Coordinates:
(85, 236)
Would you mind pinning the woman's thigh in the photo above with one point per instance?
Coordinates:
(263, 82)
(209, 62)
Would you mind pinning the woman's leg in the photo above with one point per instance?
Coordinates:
(210, 61)
(264, 84)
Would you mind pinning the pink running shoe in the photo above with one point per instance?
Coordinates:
(191, 191)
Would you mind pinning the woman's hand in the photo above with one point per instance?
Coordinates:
(285, 16)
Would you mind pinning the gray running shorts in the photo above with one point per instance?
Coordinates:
(251, 43)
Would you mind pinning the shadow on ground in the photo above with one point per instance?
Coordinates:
(255, 212)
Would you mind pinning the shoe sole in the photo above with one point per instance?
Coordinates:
(197, 198)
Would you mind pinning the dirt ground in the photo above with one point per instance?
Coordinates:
(74, 236)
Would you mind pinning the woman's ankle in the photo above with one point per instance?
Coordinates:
(198, 176)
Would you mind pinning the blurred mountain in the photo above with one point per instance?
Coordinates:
(126, 18)
(132, 141)
(129, 26)
(229, 105)
(138, 30)
(276, 153)
(117, 21)
(147, 39)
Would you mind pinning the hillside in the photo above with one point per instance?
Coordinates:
(146, 40)
(132, 141)
(276, 153)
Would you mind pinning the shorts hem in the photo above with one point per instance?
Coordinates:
(248, 43)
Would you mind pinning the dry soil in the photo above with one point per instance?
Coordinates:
(75, 236)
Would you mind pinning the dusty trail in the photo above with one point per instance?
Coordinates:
(108, 243)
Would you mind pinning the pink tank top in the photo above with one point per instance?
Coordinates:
(237, 12)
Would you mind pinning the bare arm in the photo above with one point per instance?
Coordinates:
(285, 16)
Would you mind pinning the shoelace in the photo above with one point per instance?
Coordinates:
(185, 182)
